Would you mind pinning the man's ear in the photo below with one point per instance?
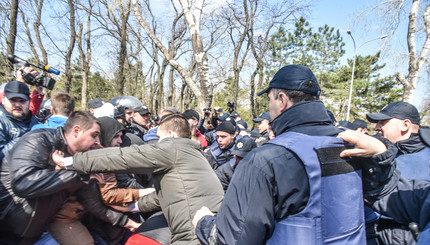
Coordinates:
(76, 130)
(285, 101)
(406, 125)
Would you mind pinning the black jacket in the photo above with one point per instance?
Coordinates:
(11, 129)
(29, 185)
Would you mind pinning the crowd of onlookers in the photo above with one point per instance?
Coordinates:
(120, 174)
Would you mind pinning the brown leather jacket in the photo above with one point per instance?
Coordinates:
(112, 195)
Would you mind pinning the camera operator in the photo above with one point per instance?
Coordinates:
(36, 97)
(15, 117)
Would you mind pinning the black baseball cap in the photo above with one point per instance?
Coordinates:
(263, 116)
(191, 114)
(223, 116)
(142, 110)
(358, 123)
(400, 110)
(234, 114)
(292, 77)
(345, 124)
(95, 103)
(16, 89)
(244, 146)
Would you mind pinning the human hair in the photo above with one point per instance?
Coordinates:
(62, 103)
(176, 123)
(82, 118)
(296, 95)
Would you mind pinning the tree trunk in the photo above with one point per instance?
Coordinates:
(68, 66)
(203, 98)
(416, 61)
(37, 32)
(11, 37)
(85, 58)
(123, 47)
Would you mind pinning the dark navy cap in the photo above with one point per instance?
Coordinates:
(358, 123)
(244, 146)
(16, 89)
(95, 103)
(292, 77)
(263, 116)
(234, 114)
(223, 116)
(191, 114)
(400, 110)
(142, 110)
(346, 124)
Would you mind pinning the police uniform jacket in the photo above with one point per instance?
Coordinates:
(269, 184)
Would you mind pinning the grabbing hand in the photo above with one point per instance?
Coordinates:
(99, 177)
(58, 159)
(26, 69)
(365, 145)
(132, 225)
(204, 211)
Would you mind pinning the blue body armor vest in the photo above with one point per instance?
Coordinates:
(222, 156)
(334, 213)
(415, 165)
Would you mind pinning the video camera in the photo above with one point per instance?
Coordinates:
(207, 111)
(40, 79)
(230, 105)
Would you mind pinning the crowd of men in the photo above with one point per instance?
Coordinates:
(119, 174)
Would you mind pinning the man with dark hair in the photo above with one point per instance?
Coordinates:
(220, 152)
(15, 116)
(62, 105)
(275, 196)
(33, 189)
(183, 179)
(225, 172)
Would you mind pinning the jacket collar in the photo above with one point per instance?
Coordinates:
(61, 143)
(411, 145)
(308, 117)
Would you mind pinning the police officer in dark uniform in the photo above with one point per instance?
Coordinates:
(263, 125)
(275, 196)
(220, 152)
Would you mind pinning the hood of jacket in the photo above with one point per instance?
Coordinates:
(306, 117)
(151, 135)
(109, 128)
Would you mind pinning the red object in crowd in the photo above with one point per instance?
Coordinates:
(137, 239)
(203, 141)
